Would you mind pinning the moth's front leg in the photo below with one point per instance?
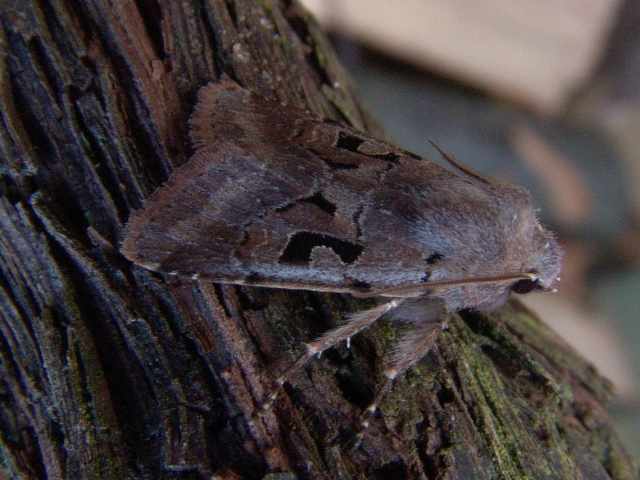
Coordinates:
(354, 324)
(426, 315)
(413, 346)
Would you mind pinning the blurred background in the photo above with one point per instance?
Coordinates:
(545, 94)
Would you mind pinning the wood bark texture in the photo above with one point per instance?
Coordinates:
(110, 371)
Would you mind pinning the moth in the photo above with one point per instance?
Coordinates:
(277, 197)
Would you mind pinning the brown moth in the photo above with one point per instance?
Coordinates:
(276, 197)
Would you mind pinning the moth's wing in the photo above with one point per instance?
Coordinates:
(276, 197)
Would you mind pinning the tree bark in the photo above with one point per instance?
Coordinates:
(110, 371)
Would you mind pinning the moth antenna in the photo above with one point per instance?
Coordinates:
(509, 277)
(354, 324)
(459, 166)
(415, 290)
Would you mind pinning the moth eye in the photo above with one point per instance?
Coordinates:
(525, 286)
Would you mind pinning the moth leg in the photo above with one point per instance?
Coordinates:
(355, 323)
(413, 346)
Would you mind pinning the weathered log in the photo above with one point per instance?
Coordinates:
(110, 371)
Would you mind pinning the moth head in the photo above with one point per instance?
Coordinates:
(531, 249)
(544, 263)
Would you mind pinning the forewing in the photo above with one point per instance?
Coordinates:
(276, 197)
